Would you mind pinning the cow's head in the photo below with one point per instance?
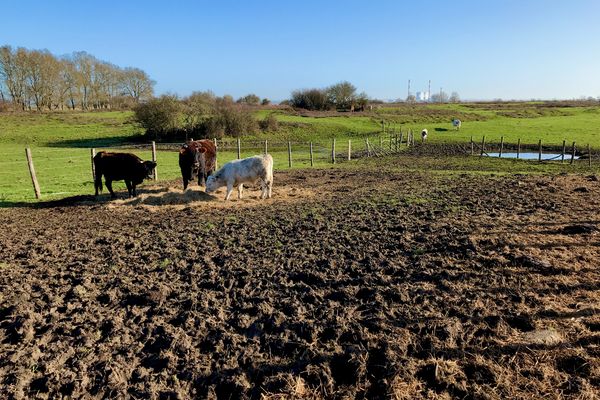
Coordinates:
(212, 183)
(149, 167)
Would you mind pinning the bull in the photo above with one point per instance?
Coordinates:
(121, 166)
(197, 157)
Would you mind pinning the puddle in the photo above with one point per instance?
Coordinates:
(533, 156)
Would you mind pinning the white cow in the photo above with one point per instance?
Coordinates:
(248, 170)
(456, 123)
(423, 135)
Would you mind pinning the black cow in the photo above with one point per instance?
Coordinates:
(121, 166)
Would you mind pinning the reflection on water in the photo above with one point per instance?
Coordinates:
(532, 156)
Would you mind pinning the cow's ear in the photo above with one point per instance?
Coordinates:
(183, 150)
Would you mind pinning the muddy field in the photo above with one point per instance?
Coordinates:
(346, 284)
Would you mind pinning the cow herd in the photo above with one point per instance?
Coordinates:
(196, 158)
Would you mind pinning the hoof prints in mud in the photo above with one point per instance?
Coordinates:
(403, 287)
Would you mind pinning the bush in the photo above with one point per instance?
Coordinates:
(250, 99)
(265, 102)
(310, 99)
(159, 116)
(231, 121)
(269, 123)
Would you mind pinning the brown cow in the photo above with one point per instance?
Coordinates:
(197, 157)
(121, 166)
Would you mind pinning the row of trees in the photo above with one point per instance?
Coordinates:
(36, 79)
(200, 115)
(341, 96)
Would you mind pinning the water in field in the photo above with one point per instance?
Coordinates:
(533, 156)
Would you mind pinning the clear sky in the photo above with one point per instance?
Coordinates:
(483, 49)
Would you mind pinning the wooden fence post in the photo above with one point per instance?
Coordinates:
(518, 148)
(482, 146)
(349, 149)
(573, 153)
(540, 150)
(239, 148)
(311, 155)
(501, 146)
(266, 147)
(368, 148)
(562, 154)
(36, 186)
(589, 156)
(290, 154)
(472, 146)
(333, 151)
(155, 173)
(92, 155)
(217, 154)
(380, 141)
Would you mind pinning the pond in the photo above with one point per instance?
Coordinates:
(533, 156)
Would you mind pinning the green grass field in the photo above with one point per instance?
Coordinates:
(60, 142)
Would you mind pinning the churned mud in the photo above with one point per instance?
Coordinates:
(346, 284)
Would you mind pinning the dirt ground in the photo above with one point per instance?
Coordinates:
(347, 284)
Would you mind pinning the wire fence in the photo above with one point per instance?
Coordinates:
(69, 170)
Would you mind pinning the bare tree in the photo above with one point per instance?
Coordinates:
(342, 95)
(12, 70)
(137, 84)
(454, 97)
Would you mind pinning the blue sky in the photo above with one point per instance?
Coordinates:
(482, 49)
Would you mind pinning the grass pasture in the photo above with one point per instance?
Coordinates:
(60, 142)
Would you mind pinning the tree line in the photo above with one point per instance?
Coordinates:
(39, 80)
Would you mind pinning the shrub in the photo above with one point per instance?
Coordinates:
(310, 99)
(265, 102)
(269, 123)
(250, 99)
(159, 116)
(231, 121)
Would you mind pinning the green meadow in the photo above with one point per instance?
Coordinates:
(60, 142)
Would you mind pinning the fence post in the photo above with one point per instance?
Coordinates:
(239, 148)
(36, 186)
(589, 156)
(562, 155)
(482, 146)
(266, 148)
(333, 151)
(518, 148)
(380, 141)
(349, 149)
(155, 174)
(290, 154)
(92, 155)
(311, 155)
(501, 146)
(368, 148)
(540, 150)
(472, 146)
(573, 153)
(216, 154)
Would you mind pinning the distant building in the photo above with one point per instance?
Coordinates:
(422, 96)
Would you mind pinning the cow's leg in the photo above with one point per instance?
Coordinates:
(229, 190)
(240, 191)
(269, 188)
(110, 189)
(129, 188)
(263, 189)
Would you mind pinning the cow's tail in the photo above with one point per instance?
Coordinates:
(98, 171)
